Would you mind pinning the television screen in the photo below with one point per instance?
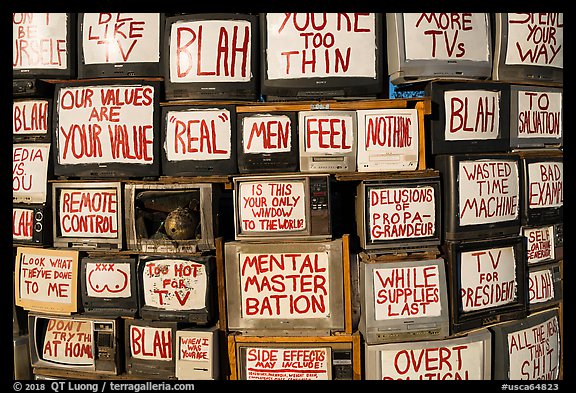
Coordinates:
(544, 243)
(106, 129)
(488, 281)
(46, 280)
(466, 357)
(43, 45)
(427, 46)
(109, 285)
(31, 119)
(528, 47)
(542, 187)
(481, 195)
(171, 217)
(536, 117)
(112, 45)
(80, 344)
(282, 207)
(198, 140)
(468, 117)
(328, 140)
(197, 354)
(31, 169)
(403, 301)
(388, 140)
(211, 56)
(545, 286)
(401, 211)
(529, 348)
(267, 141)
(285, 288)
(31, 224)
(87, 215)
(177, 288)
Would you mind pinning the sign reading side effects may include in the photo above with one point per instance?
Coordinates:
(287, 363)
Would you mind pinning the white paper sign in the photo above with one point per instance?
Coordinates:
(22, 224)
(30, 172)
(108, 280)
(488, 278)
(445, 36)
(387, 131)
(471, 115)
(539, 244)
(88, 213)
(150, 343)
(69, 342)
(545, 185)
(266, 134)
(488, 191)
(540, 286)
(288, 363)
(30, 117)
(539, 114)
(193, 347)
(121, 37)
(317, 45)
(328, 134)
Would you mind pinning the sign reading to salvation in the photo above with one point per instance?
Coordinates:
(287, 363)
(539, 114)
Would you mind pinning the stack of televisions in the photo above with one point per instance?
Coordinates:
(185, 183)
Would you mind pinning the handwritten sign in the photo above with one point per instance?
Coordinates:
(121, 38)
(545, 185)
(175, 284)
(488, 191)
(540, 286)
(488, 278)
(30, 117)
(328, 133)
(195, 347)
(407, 292)
(210, 51)
(22, 224)
(105, 124)
(535, 352)
(472, 114)
(198, 134)
(402, 212)
(288, 363)
(266, 134)
(536, 39)
(39, 41)
(69, 341)
(443, 362)
(88, 212)
(313, 45)
(30, 172)
(539, 244)
(539, 114)
(285, 285)
(47, 280)
(150, 343)
(108, 279)
(447, 36)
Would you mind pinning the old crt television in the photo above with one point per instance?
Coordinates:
(528, 47)
(198, 140)
(108, 284)
(536, 117)
(321, 55)
(427, 46)
(267, 141)
(88, 215)
(542, 187)
(403, 301)
(211, 56)
(178, 288)
(32, 224)
(488, 281)
(318, 358)
(115, 45)
(328, 140)
(545, 286)
(468, 117)
(467, 357)
(31, 169)
(171, 217)
(91, 345)
(544, 243)
(399, 212)
(32, 119)
(282, 207)
(46, 280)
(106, 129)
(481, 194)
(388, 140)
(43, 47)
(197, 354)
(150, 348)
(529, 348)
(285, 289)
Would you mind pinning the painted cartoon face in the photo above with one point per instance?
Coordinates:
(108, 279)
